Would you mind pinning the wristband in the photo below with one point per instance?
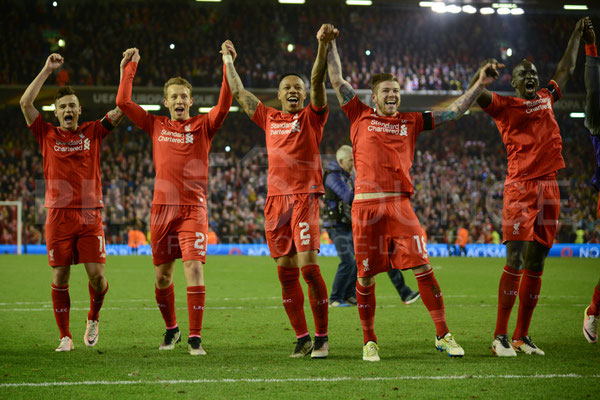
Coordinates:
(590, 50)
(227, 58)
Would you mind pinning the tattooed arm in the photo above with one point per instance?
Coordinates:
(115, 116)
(487, 74)
(342, 88)
(317, 77)
(247, 100)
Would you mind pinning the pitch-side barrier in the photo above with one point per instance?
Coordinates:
(590, 250)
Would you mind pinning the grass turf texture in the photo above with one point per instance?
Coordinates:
(248, 337)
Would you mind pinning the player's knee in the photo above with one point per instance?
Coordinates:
(366, 281)
(515, 261)
(163, 280)
(96, 281)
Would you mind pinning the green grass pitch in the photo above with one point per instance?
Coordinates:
(248, 337)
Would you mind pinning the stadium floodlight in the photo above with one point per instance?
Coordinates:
(172, 46)
(359, 2)
(486, 10)
(426, 3)
(453, 9)
(204, 110)
(368, 52)
(439, 8)
(291, 1)
(150, 107)
(469, 9)
(55, 4)
(517, 11)
(577, 115)
(504, 5)
(503, 11)
(575, 7)
(290, 47)
(50, 107)
(227, 149)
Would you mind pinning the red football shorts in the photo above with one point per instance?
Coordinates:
(530, 211)
(387, 232)
(74, 236)
(178, 232)
(292, 223)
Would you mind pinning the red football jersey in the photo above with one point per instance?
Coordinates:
(71, 163)
(383, 147)
(293, 148)
(179, 148)
(529, 132)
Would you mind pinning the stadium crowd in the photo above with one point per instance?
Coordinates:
(458, 175)
(182, 37)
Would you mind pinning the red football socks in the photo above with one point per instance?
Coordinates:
(317, 294)
(431, 295)
(507, 294)
(165, 299)
(529, 291)
(96, 300)
(61, 302)
(365, 299)
(293, 298)
(595, 304)
(195, 304)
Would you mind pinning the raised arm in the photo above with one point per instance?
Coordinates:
(29, 111)
(342, 88)
(318, 95)
(485, 98)
(217, 114)
(592, 80)
(566, 65)
(129, 64)
(247, 100)
(487, 74)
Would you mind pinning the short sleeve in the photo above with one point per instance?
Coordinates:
(496, 105)
(319, 114)
(354, 108)
(39, 128)
(260, 115)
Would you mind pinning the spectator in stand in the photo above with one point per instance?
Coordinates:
(461, 240)
(135, 238)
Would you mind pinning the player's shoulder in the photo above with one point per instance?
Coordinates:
(409, 116)
(90, 125)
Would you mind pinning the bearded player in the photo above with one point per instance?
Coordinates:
(531, 197)
(74, 231)
(385, 228)
(179, 221)
(295, 182)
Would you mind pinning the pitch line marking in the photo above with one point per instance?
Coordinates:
(275, 307)
(49, 304)
(286, 380)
